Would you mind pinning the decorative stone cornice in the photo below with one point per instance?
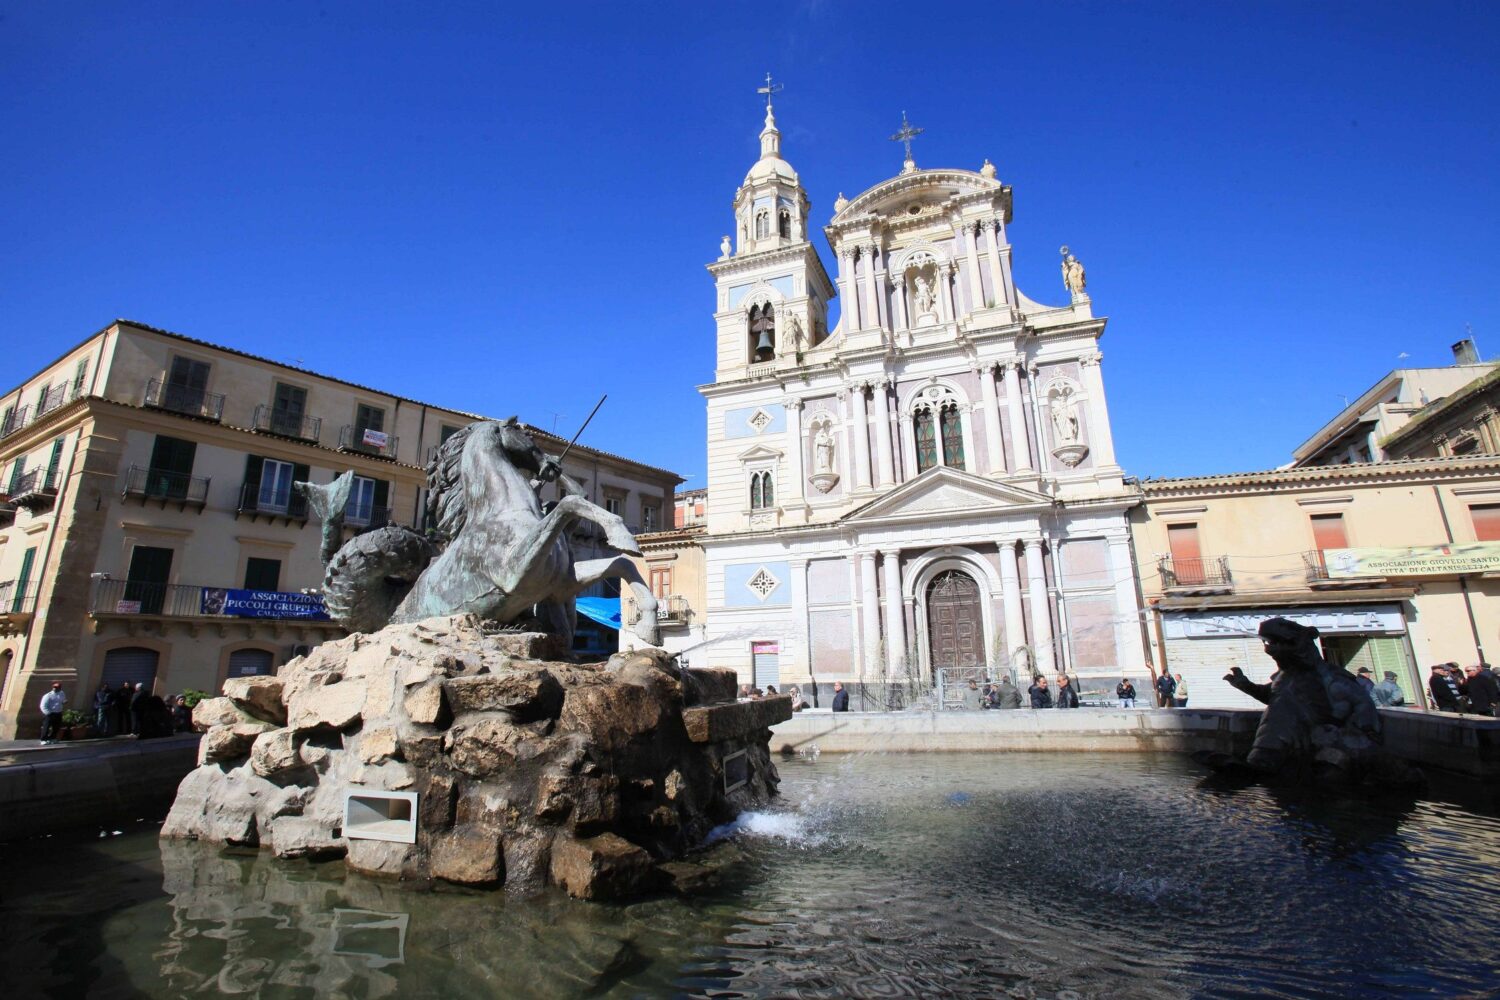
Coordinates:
(1414, 470)
(1090, 359)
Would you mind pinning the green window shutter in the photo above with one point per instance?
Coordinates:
(55, 462)
(250, 492)
(23, 579)
(79, 374)
(16, 472)
(382, 494)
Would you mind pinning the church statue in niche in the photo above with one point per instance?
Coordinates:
(924, 296)
(825, 454)
(1067, 444)
(796, 337)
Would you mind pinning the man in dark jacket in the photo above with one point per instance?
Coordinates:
(1067, 695)
(1483, 690)
(1007, 695)
(1166, 690)
(840, 697)
(1125, 691)
(1446, 694)
(104, 709)
(123, 695)
(1040, 696)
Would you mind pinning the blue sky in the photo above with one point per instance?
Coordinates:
(508, 208)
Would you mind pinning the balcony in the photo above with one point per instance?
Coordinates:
(269, 420)
(35, 490)
(364, 441)
(292, 507)
(134, 598)
(17, 607)
(1316, 565)
(14, 421)
(168, 487)
(1196, 576)
(366, 517)
(164, 395)
(56, 397)
(673, 610)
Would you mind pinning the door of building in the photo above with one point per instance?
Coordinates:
(135, 664)
(187, 385)
(955, 624)
(250, 663)
(765, 657)
(150, 569)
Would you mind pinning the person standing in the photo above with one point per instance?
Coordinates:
(1007, 695)
(1040, 696)
(1483, 690)
(1067, 695)
(123, 695)
(1125, 691)
(840, 697)
(104, 709)
(182, 716)
(1388, 692)
(1446, 694)
(1166, 689)
(1366, 680)
(1180, 692)
(137, 706)
(53, 703)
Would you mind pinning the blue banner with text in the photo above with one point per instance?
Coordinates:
(263, 604)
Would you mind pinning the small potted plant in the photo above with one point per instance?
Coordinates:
(75, 724)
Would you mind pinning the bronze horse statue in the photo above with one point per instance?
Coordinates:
(496, 552)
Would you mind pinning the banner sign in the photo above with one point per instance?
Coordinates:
(1379, 619)
(127, 607)
(375, 439)
(1419, 560)
(262, 604)
(765, 648)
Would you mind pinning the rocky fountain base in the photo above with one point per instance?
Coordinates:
(447, 749)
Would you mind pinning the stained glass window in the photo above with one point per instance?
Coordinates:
(926, 441)
(953, 437)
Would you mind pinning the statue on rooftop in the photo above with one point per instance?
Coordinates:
(495, 552)
(1074, 279)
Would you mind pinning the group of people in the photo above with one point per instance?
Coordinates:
(749, 692)
(1063, 695)
(1474, 689)
(127, 710)
(1171, 691)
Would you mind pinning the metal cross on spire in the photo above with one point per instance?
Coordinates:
(769, 89)
(907, 134)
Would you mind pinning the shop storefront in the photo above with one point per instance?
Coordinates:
(1203, 645)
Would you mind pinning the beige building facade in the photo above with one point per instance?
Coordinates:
(148, 528)
(1220, 554)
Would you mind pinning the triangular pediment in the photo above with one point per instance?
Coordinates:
(943, 491)
(760, 453)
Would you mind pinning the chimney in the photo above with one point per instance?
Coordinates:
(1465, 353)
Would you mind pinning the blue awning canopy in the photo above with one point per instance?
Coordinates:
(604, 610)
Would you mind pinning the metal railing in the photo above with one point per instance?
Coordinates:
(159, 484)
(349, 440)
(1204, 572)
(359, 516)
(14, 421)
(55, 397)
(134, 597)
(1316, 565)
(673, 609)
(164, 395)
(15, 601)
(31, 488)
(269, 420)
(293, 505)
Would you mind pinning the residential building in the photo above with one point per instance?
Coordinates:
(1466, 422)
(930, 482)
(1220, 554)
(148, 526)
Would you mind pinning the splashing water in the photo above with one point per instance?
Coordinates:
(792, 828)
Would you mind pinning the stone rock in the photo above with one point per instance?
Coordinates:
(525, 695)
(259, 696)
(468, 857)
(219, 806)
(604, 867)
(481, 745)
(711, 685)
(688, 879)
(735, 720)
(527, 857)
(425, 704)
(554, 798)
(305, 837)
(422, 749)
(378, 745)
(228, 743)
(333, 705)
(212, 712)
(274, 752)
(436, 798)
(612, 716)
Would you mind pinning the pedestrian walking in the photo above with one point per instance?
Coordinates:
(53, 703)
(182, 716)
(1125, 691)
(1166, 690)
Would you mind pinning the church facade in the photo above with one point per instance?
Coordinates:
(930, 481)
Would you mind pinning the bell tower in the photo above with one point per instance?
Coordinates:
(772, 302)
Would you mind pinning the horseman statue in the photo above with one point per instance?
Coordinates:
(492, 549)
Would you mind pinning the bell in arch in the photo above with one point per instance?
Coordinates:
(764, 349)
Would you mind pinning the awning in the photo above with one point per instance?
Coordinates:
(604, 610)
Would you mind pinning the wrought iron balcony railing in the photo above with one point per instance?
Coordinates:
(159, 484)
(17, 600)
(1202, 574)
(35, 490)
(367, 441)
(14, 421)
(269, 420)
(254, 501)
(164, 395)
(55, 397)
(365, 516)
(673, 609)
(177, 600)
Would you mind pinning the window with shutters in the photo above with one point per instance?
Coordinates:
(54, 464)
(1328, 532)
(262, 574)
(80, 374)
(289, 410)
(275, 486)
(1486, 518)
(171, 468)
(1187, 554)
(650, 517)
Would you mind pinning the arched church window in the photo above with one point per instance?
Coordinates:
(927, 455)
(784, 224)
(952, 430)
(762, 224)
(762, 491)
(762, 333)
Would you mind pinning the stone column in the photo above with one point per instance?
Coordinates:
(861, 430)
(869, 609)
(794, 448)
(882, 303)
(946, 310)
(847, 288)
(871, 311)
(802, 657)
(990, 403)
(1127, 624)
(856, 635)
(976, 287)
(895, 618)
(996, 278)
(1010, 593)
(1100, 440)
(884, 464)
(1041, 611)
(1019, 447)
(901, 323)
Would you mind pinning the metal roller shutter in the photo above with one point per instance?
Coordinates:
(133, 664)
(250, 663)
(1204, 662)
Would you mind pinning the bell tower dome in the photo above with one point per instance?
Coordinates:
(770, 208)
